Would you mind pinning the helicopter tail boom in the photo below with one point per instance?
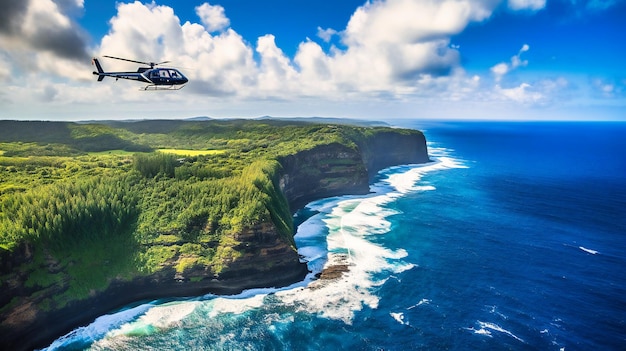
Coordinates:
(99, 68)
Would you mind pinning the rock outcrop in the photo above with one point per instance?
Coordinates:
(392, 148)
(336, 169)
(267, 258)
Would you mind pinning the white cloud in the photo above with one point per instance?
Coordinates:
(326, 34)
(540, 93)
(392, 48)
(218, 64)
(31, 31)
(134, 34)
(406, 21)
(277, 76)
(533, 5)
(543, 92)
(608, 88)
(502, 68)
(524, 93)
(213, 17)
(409, 38)
(392, 45)
(392, 53)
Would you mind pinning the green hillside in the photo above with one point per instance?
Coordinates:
(81, 204)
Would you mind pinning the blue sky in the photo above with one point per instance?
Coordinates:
(452, 59)
(290, 21)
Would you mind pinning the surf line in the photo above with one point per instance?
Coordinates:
(593, 252)
(343, 235)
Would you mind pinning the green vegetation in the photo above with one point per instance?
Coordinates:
(94, 202)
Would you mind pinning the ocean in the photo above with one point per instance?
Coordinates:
(513, 238)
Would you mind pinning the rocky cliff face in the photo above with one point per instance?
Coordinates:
(392, 148)
(324, 171)
(27, 320)
(336, 169)
(267, 258)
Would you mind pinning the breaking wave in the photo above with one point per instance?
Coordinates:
(345, 264)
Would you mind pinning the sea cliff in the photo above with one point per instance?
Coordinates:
(266, 257)
(336, 169)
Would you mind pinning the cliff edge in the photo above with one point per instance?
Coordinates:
(266, 256)
(337, 169)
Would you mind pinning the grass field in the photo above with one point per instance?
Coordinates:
(186, 152)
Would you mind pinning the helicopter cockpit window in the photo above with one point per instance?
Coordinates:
(164, 73)
(174, 74)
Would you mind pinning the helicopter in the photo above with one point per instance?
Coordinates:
(157, 78)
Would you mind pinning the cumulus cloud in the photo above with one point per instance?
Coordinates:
(411, 38)
(42, 25)
(13, 11)
(276, 72)
(524, 93)
(134, 35)
(392, 45)
(389, 47)
(70, 7)
(500, 70)
(213, 17)
(396, 50)
(406, 21)
(542, 92)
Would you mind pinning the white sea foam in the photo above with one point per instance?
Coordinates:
(98, 328)
(494, 310)
(399, 317)
(159, 317)
(481, 331)
(486, 328)
(593, 252)
(338, 235)
(350, 223)
(421, 302)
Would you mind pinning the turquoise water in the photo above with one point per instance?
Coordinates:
(513, 239)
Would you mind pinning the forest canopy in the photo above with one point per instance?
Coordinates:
(141, 194)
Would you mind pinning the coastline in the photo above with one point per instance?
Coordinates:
(420, 306)
(120, 295)
(298, 190)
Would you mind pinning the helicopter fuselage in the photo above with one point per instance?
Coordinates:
(154, 77)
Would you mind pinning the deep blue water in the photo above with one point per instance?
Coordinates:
(513, 239)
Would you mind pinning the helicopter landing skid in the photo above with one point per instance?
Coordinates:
(153, 87)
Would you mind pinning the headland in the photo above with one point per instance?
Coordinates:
(95, 217)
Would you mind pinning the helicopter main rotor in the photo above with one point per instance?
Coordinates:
(151, 64)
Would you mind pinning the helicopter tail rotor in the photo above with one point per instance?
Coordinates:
(95, 62)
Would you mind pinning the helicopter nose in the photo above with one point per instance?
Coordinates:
(184, 80)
